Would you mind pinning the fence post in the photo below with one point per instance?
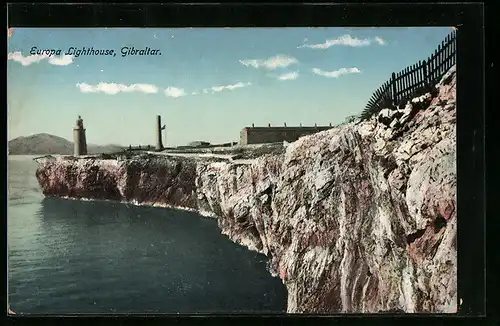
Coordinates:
(393, 85)
(426, 77)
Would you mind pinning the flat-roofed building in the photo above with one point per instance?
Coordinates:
(262, 135)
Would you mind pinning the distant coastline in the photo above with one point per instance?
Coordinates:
(43, 144)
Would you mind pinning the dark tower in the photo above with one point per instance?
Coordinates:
(159, 128)
(80, 141)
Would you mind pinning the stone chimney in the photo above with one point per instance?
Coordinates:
(159, 143)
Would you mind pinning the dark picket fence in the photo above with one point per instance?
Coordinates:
(414, 79)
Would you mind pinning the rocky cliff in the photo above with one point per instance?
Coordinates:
(359, 218)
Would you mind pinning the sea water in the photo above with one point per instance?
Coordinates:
(69, 256)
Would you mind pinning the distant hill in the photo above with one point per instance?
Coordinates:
(50, 144)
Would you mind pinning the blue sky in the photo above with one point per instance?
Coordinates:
(207, 84)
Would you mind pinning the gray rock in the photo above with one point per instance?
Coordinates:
(448, 77)
(406, 113)
(394, 124)
(422, 98)
(386, 116)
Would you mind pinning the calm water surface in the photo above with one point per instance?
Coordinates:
(67, 256)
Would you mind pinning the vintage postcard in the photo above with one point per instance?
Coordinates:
(232, 170)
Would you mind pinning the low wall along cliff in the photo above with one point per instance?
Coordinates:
(358, 218)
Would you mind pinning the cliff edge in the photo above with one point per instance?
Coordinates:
(358, 218)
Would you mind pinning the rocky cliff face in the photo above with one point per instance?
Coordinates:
(359, 218)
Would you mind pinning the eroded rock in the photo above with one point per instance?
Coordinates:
(352, 220)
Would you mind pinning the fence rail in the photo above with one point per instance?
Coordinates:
(414, 79)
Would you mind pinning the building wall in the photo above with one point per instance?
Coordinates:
(261, 135)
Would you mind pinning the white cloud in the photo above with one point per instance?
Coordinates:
(62, 60)
(228, 87)
(175, 92)
(278, 61)
(289, 76)
(346, 40)
(112, 88)
(379, 40)
(335, 73)
(26, 61)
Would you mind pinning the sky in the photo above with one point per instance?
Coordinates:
(206, 83)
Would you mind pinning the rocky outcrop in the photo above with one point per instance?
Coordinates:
(358, 218)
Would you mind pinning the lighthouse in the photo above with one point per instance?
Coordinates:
(79, 139)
